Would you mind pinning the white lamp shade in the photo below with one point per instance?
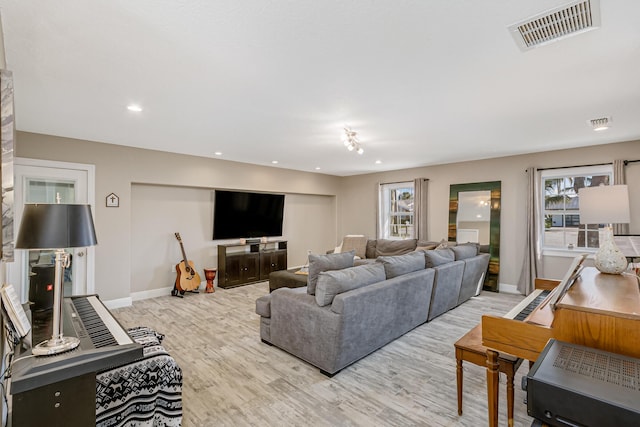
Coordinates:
(605, 204)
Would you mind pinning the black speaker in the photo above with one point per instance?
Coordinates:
(41, 287)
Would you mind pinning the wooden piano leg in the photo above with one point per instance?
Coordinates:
(510, 391)
(459, 379)
(492, 386)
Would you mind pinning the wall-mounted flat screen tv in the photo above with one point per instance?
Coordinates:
(239, 214)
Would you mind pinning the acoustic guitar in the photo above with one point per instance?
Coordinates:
(187, 278)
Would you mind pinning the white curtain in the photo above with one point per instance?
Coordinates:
(532, 263)
(420, 208)
(619, 178)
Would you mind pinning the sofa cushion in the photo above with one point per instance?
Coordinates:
(320, 263)
(438, 257)
(371, 249)
(332, 283)
(386, 247)
(464, 251)
(402, 264)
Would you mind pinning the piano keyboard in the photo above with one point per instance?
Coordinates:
(99, 324)
(103, 344)
(527, 305)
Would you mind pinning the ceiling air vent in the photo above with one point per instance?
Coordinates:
(565, 21)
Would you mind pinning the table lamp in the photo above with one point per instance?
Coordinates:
(56, 227)
(606, 204)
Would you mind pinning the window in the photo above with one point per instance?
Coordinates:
(560, 206)
(396, 219)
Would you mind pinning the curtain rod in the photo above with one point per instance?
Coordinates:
(626, 162)
(402, 182)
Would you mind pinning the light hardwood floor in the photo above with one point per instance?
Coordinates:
(232, 379)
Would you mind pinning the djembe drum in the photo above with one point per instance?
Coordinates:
(210, 274)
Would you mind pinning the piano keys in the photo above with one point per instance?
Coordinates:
(600, 311)
(527, 305)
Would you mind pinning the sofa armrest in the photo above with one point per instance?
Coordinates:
(263, 306)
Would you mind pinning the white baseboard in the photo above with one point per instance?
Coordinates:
(118, 303)
(137, 296)
(508, 289)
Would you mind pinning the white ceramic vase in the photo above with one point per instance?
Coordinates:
(609, 259)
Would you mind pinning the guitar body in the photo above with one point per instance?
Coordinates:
(187, 278)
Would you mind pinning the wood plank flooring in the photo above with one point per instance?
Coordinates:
(232, 379)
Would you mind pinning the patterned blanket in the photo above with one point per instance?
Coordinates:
(144, 393)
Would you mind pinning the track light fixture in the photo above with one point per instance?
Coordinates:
(350, 141)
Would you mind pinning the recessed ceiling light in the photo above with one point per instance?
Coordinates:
(218, 153)
(275, 162)
(135, 108)
(317, 168)
(378, 162)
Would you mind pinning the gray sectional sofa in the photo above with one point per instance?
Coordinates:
(346, 312)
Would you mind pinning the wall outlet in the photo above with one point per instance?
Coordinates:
(172, 269)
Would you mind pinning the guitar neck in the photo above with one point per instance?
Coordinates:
(184, 255)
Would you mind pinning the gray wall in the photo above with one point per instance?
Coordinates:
(123, 262)
(159, 211)
(358, 191)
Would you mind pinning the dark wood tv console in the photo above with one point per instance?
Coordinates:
(241, 264)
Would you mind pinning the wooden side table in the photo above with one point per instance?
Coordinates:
(469, 348)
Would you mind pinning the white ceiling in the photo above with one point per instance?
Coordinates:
(422, 82)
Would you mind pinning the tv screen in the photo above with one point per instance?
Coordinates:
(238, 214)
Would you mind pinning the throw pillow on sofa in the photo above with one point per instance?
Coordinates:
(465, 250)
(320, 263)
(402, 264)
(438, 257)
(334, 282)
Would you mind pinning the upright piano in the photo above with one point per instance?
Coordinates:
(599, 310)
(60, 390)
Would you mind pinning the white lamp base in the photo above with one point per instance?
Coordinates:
(609, 259)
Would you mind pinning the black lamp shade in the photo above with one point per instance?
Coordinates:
(56, 226)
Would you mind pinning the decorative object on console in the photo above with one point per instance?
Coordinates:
(606, 204)
(56, 227)
(351, 141)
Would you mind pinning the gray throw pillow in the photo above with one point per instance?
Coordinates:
(438, 257)
(464, 251)
(402, 264)
(332, 283)
(320, 263)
